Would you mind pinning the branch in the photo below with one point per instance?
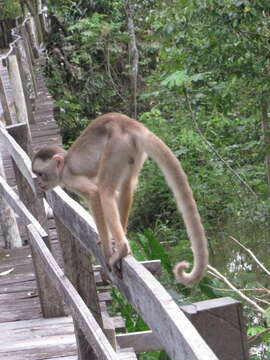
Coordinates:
(256, 336)
(133, 54)
(30, 7)
(252, 255)
(212, 147)
(228, 283)
(108, 66)
(262, 300)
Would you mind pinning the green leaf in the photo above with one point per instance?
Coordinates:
(267, 316)
(176, 79)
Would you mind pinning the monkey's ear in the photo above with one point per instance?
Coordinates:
(59, 159)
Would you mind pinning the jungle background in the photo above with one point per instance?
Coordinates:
(197, 73)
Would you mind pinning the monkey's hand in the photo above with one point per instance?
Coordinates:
(115, 263)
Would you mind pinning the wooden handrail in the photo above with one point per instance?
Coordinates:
(19, 156)
(80, 311)
(139, 286)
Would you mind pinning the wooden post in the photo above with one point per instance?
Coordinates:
(220, 323)
(26, 35)
(23, 78)
(34, 202)
(29, 28)
(78, 268)
(4, 103)
(29, 58)
(78, 308)
(51, 304)
(35, 31)
(18, 91)
(8, 222)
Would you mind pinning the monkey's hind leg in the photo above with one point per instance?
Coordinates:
(112, 173)
(96, 208)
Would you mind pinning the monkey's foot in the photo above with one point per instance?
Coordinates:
(115, 261)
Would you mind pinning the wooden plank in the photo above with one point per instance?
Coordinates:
(177, 335)
(77, 220)
(18, 206)
(29, 58)
(154, 266)
(126, 354)
(42, 349)
(18, 89)
(38, 324)
(16, 297)
(17, 49)
(31, 302)
(64, 358)
(21, 314)
(78, 308)
(18, 287)
(17, 278)
(37, 328)
(141, 341)
(8, 223)
(78, 268)
(50, 302)
(19, 156)
(220, 322)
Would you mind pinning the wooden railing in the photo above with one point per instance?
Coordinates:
(172, 328)
(6, 25)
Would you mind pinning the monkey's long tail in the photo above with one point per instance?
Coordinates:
(177, 181)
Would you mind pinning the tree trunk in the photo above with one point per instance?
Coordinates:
(133, 56)
(266, 131)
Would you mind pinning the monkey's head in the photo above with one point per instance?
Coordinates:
(48, 164)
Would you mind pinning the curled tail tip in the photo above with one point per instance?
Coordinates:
(179, 271)
(186, 278)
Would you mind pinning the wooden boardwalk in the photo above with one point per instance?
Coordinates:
(27, 335)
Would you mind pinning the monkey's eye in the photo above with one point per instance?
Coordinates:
(39, 174)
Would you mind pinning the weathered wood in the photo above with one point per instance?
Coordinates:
(18, 52)
(18, 91)
(83, 227)
(32, 199)
(220, 322)
(50, 302)
(176, 333)
(27, 47)
(19, 207)
(19, 156)
(4, 103)
(8, 222)
(78, 308)
(34, 46)
(154, 266)
(78, 268)
(26, 37)
(141, 341)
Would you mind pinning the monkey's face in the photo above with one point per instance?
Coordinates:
(48, 172)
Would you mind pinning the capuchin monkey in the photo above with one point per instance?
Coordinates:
(102, 167)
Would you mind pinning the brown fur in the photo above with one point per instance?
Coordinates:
(103, 165)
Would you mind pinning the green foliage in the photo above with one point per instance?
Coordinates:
(9, 9)
(153, 250)
(203, 69)
(133, 321)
